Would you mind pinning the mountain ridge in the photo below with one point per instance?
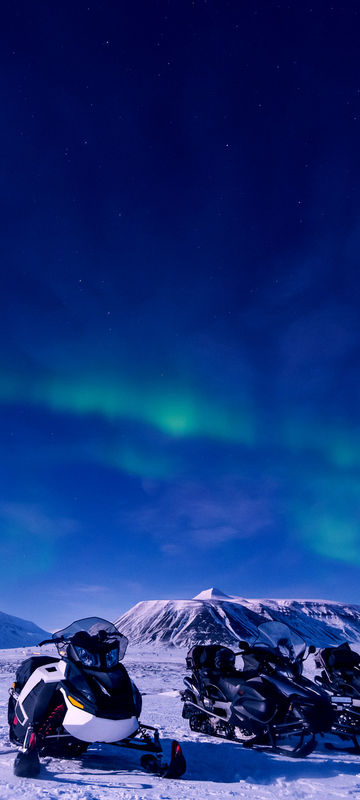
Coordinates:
(212, 617)
(18, 632)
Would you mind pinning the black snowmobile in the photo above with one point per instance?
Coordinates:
(340, 675)
(267, 704)
(58, 706)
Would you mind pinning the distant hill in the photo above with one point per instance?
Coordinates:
(16, 632)
(212, 617)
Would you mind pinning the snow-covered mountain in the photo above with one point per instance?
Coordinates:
(16, 632)
(212, 617)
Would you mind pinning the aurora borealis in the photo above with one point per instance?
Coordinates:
(180, 335)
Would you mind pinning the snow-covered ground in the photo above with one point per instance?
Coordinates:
(217, 770)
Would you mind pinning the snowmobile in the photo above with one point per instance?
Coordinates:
(340, 676)
(59, 705)
(267, 704)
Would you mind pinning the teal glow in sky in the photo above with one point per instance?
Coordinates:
(179, 357)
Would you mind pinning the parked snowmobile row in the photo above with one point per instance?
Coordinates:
(60, 705)
(269, 703)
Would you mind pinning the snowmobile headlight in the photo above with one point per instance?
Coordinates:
(284, 651)
(74, 702)
(112, 656)
(86, 658)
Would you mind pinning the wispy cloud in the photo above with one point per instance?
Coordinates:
(90, 588)
(32, 519)
(208, 515)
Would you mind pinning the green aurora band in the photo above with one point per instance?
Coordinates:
(184, 413)
(326, 523)
(171, 410)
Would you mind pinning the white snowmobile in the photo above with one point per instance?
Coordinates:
(58, 706)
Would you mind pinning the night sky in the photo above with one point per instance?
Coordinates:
(180, 330)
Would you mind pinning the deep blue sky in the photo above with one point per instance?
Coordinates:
(180, 333)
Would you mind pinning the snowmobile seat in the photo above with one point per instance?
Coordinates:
(28, 666)
(230, 685)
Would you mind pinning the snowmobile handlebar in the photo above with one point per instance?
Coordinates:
(50, 641)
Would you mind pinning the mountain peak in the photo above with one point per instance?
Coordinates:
(213, 593)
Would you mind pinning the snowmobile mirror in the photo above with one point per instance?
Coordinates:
(311, 649)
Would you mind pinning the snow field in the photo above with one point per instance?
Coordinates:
(217, 770)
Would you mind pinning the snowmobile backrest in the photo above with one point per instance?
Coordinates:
(224, 660)
(28, 666)
(210, 656)
(340, 658)
(192, 661)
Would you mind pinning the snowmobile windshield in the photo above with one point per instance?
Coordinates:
(94, 640)
(277, 636)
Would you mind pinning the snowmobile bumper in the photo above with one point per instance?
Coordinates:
(88, 728)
